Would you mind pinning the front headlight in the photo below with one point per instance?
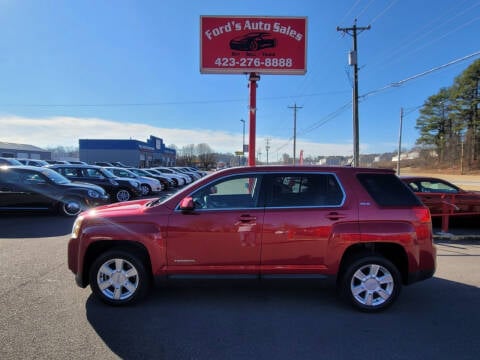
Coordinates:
(76, 227)
(93, 194)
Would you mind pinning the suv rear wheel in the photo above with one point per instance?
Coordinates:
(118, 277)
(371, 283)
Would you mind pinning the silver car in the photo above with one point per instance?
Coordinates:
(148, 185)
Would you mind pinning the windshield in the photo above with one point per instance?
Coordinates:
(124, 173)
(55, 177)
(107, 173)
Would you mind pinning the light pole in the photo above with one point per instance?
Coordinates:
(243, 141)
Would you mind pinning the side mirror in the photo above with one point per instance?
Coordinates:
(187, 204)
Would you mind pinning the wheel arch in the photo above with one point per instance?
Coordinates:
(395, 253)
(99, 247)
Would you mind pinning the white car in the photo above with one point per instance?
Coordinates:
(186, 179)
(147, 184)
(177, 181)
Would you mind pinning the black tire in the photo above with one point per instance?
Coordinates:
(118, 277)
(71, 206)
(371, 283)
(123, 195)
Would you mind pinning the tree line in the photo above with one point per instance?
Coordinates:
(449, 122)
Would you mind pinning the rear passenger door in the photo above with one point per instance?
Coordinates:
(301, 212)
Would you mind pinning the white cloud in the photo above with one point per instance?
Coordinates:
(66, 131)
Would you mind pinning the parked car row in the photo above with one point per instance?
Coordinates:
(35, 185)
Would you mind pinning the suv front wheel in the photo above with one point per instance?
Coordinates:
(371, 283)
(118, 277)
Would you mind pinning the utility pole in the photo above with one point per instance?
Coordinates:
(243, 141)
(400, 141)
(353, 61)
(267, 147)
(294, 107)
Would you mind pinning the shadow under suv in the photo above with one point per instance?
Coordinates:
(119, 189)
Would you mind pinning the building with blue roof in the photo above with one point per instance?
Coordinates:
(135, 153)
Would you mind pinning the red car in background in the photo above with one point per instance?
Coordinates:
(443, 197)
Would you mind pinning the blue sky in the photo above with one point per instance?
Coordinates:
(130, 69)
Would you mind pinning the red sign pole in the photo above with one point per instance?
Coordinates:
(254, 77)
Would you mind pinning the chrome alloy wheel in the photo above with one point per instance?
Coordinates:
(372, 285)
(117, 279)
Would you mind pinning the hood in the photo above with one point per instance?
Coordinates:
(124, 207)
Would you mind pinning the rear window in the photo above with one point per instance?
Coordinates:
(388, 190)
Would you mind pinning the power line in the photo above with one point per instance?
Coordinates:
(431, 27)
(383, 12)
(408, 111)
(402, 82)
(167, 103)
(365, 8)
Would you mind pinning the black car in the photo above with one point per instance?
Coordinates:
(120, 189)
(253, 41)
(28, 188)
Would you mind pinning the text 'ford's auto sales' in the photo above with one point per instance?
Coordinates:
(254, 26)
(253, 44)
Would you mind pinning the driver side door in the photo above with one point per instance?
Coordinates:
(223, 233)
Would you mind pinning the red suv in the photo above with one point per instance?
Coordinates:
(363, 227)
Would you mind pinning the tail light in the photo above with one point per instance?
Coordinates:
(423, 214)
(424, 229)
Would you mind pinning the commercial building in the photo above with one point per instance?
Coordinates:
(23, 151)
(152, 152)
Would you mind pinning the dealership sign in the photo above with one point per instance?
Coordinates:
(241, 44)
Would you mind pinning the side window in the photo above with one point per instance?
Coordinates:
(120, 173)
(230, 193)
(34, 178)
(309, 189)
(93, 173)
(429, 186)
(414, 186)
(388, 190)
(68, 171)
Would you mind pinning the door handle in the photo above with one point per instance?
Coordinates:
(335, 216)
(247, 218)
